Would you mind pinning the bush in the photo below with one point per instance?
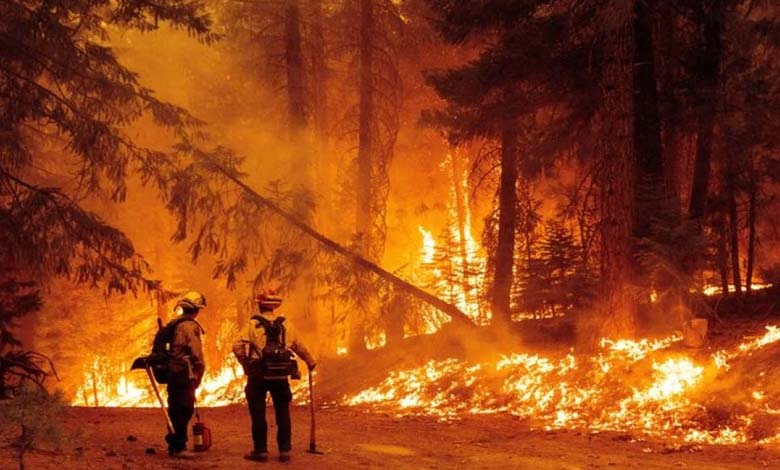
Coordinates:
(38, 416)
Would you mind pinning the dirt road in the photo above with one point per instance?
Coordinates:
(359, 440)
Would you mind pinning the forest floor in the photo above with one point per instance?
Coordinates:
(355, 438)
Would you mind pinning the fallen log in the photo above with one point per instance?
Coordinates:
(445, 307)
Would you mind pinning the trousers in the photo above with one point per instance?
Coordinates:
(256, 391)
(181, 406)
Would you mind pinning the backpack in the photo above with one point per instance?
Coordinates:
(277, 361)
(168, 367)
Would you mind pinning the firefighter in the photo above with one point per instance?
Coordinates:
(255, 351)
(186, 346)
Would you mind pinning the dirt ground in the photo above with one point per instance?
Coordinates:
(357, 439)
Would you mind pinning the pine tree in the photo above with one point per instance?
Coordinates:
(18, 365)
(502, 94)
(554, 282)
(64, 93)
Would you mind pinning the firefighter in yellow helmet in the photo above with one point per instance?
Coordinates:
(264, 352)
(188, 348)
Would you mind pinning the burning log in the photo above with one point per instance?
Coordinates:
(452, 311)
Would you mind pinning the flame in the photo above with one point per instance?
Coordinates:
(222, 387)
(711, 289)
(429, 245)
(458, 274)
(629, 386)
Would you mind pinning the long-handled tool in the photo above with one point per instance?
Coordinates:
(143, 363)
(168, 421)
(312, 439)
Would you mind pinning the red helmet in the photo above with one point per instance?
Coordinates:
(268, 299)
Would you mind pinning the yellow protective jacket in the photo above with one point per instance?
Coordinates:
(250, 344)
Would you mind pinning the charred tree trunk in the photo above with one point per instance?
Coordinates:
(722, 252)
(365, 134)
(95, 390)
(650, 193)
(295, 72)
(751, 249)
(364, 219)
(319, 75)
(707, 79)
(669, 107)
(656, 201)
(733, 220)
(751, 225)
(618, 315)
(303, 154)
(507, 216)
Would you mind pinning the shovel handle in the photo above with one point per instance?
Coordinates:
(312, 440)
(159, 398)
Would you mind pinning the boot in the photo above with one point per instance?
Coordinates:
(257, 456)
(182, 454)
(284, 456)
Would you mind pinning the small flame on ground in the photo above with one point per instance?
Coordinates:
(614, 390)
(224, 386)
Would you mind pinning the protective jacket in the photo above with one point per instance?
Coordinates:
(252, 341)
(187, 345)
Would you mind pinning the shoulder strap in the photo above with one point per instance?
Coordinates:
(271, 326)
(279, 322)
(261, 321)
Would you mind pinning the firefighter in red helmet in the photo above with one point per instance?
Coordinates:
(265, 351)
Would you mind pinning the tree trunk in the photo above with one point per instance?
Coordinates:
(618, 315)
(95, 389)
(666, 39)
(364, 219)
(751, 223)
(733, 218)
(722, 253)
(365, 134)
(507, 216)
(296, 108)
(707, 80)
(647, 126)
(319, 75)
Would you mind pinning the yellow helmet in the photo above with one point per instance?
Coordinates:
(192, 299)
